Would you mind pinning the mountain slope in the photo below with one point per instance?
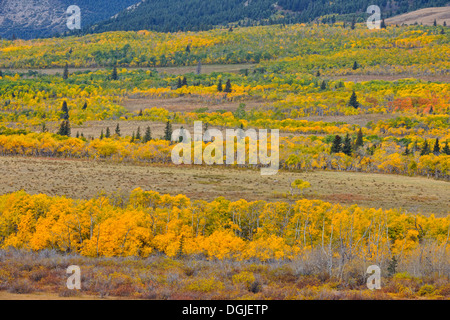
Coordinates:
(181, 15)
(175, 15)
(425, 16)
(40, 18)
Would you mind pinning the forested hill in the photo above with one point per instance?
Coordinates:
(27, 19)
(182, 15)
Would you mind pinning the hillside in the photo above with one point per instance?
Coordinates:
(175, 15)
(27, 19)
(425, 16)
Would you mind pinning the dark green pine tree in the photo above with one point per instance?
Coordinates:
(337, 144)
(64, 128)
(147, 135)
(347, 146)
(442, 31)
(437, 147)
(359, 139)
(435, 23)
(425, 148)
(138, 134)
(179, 83)
(353, 102)
(168, 131)
(184, 82)
(228, 86)
(115, 75)
(133, 137)
(323, 85)
(85, 106)
(446, 149)
(318, 73)
(415, 147)
(118, 130)
(219, 86)
(1, 74)
(407, 152)
(353, 25)
(64, 111)
(108, 133)
(66, 72)
(102, 135)
(355, 66)
(383, 24)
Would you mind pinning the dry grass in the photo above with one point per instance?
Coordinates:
(85, 179)
(206, 69)
(424, 16)
(388, 77)
(186, 104)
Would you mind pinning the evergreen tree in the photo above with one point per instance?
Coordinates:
(442, 31)
(148, 135)
(168, 131)
(359, 139)
(435, 23)
(425, 148)
(66, 72)
(347, 146)
(318, 73)
(188, 48)
(1, 74)
(353, 25)
(323, 85)
(383, 24)
(65, 111)
(115, 75)
(64, 128)
(337, 144)
(108, 133)
(437, 148)
(140, 113)
(102, 135)
(353, 102)
(179, 83)
(228, 86)
(219, 86)
(407, 152)
(355, 66)
(446, 149)
(118, 130)
(44, 128)
(138, 134)
(415, 147)
(85, 106)
(133, 137)
(184, 82)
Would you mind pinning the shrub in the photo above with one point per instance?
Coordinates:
(426, 289)
(205, 285)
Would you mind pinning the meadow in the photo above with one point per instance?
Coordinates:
(364, 119)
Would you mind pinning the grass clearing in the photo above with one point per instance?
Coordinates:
(85, 179)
